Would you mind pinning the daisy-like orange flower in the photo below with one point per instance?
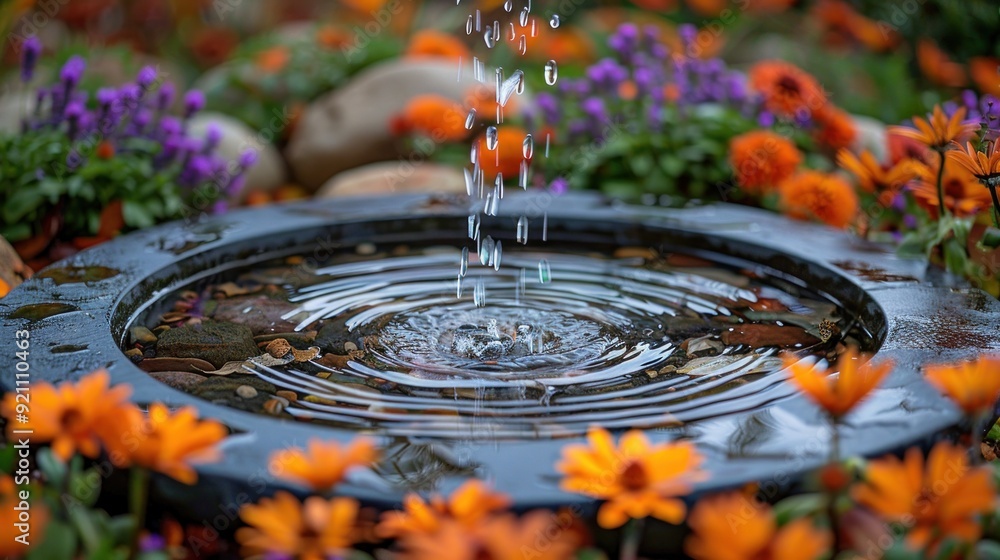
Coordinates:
(507, 157)
(11, 497)
(937, 66)
(762, 159)
(973, 386)
(499, 537)
(322, 464)
(903, 148)
(856, 377)
(939, 131)
(787, 90)
(274, 59)
(876, 179)
(332, 37)
(312, 530)
(963, 194)
(635, 479)
(984, 163)
(984, 70)
(567, 45)
(468, 505)
(942, 497)
(436, 44)
(164, 441)
(731, 526)
(71, 417)
(821, 196)
(434, 116)
(836, 129)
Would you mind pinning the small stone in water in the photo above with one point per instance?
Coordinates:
(350, 346)
(142, 334)
(554, 22)
(551, 72)
(246, 392)
(544, 272)
(365, 249)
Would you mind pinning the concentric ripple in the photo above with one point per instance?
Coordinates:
(620, 342)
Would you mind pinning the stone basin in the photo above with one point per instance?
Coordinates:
(78, 322)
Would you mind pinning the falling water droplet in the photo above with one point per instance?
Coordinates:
(468, 25)
(494, 203)
(528, 146)
(522, 175)
(478, 21)
(458, 288)
(473, 225)
(522, 230)
(548, 139)
(479, 294)
(544, 272)
(496, 30)
(510, 86)
(513, 31)
(498, 185)
(478, 70)
(492, 138)
(497, 254)
(474, 153)
(522, 45)
(488, 37)
(486, 251)
(471, 119)
(523, 17)
(551, 72)
(508, 5)
(545, 226)
(463, 267)
(534, 29)
(554, 22)
(498, 82)
(520, 84)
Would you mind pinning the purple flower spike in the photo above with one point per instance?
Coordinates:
(766, 119)
(146, 77)
(166, 96)
(106, 97)
(29, 58)
(194, 101)
(212, 138)
(74, 112)
(72, 71)
(248, 158)
(559, 185)
(152, 543)
(129, 95)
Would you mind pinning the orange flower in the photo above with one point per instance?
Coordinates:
(364, 6)
(469, 504)
(822, 196)
(984, 74)
(963, 194)
(71, 417)
(707, 8)
(938, 131)
(165, 442)
(874, 178)
(274, 59)
(636, 479)
(567, 45)
(973, 386)
(11, 497)
(769, 6)
(508, 155)
(940, 498)
(332, 37)
(762, 159)
(937, 67)
(732, 526)
(312, 530)
(323, 464)
(435, 44)
(838, 395)
(4, 288)
(836, 128)
(435, 116)
(786, 89)
(500, 537)
(984, 163)
(903, 147)
(213, 45)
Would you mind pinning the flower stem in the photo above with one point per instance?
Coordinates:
(138, 495)
(832, 493)
(996, 204)
(940, 184)
(632, 539)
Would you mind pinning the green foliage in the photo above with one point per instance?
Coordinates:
(35, 182)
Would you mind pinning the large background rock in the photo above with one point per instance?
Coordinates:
(349, 127)
(394, 177)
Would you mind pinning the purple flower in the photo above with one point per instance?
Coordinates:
(129, 95)
(248, 158)
(607, 75)
(72, 71)
(219, 207)
(625, 41)
(29, 58)
(194, 101)
(594, 108)
(643, 78)
(152, 542)
(146, 77)
(765, 119)
(559, 185)
(106, 97)
(213, 135)
(689, 35)
(549, 107)
(74, 112)
(166, 96)
(196, 170)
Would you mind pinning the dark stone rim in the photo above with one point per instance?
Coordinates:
(905, 310)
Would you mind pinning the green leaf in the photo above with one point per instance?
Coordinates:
(990, 239)
(987, 550)
(136, 215)
(85, 487)
(58, 543)
(52, 467)
(794, 507)
(21, 203)
(8, 458)
(955, 257)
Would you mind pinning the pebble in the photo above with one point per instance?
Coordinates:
(142, 334)
(291, 396)
(134, 354)
(246, 391)
(161, 329)
(350, 346)
(366, 249)
(274, 406)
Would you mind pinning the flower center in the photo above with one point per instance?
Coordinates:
(634, 477)
(789, 85)
(482, 553)
(72, 421)
(955, 189)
